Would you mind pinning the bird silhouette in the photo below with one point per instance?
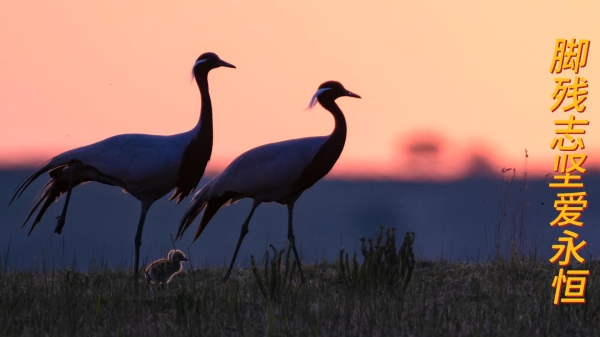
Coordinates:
(277, 172)
(145, 166)
(162, 271)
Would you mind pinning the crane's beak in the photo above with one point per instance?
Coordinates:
(351, 94)
(225, 64)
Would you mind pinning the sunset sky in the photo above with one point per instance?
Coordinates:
(459, 80)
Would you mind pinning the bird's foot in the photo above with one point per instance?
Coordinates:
(60, 222)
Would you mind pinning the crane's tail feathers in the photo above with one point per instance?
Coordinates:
(200, 202)
(40, 198)
(212, 208)
(47, 202)
(59, 184)
(188, 217)
(49, 194)
(179, 195)
(50, 165)
(196, 206)
(62, 160)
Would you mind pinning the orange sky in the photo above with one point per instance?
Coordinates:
(476, 73)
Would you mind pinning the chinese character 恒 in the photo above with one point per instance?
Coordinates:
(574, 281)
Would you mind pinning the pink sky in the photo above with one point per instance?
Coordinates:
(474, 73)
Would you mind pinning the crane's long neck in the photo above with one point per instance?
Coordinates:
(328, 153)
(197, 153)
(337, 139)
(205, 122)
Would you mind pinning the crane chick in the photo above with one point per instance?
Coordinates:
(162, 271)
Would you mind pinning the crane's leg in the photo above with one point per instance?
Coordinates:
(292, 239)
(60, 220)
(138, 242)
(242, 234)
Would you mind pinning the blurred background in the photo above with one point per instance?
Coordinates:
(453, 93)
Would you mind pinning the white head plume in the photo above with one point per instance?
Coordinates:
(313, 100)
(194, 67)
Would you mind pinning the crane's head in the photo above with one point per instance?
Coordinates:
(330, 91)
(208, 61)
(177, 256)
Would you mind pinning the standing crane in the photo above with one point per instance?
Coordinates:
(145, 166)
(277, 172)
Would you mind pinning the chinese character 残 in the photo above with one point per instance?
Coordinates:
(575, 91)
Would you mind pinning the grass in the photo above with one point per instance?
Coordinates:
(384, 292)
(506, 297)
(383, 266)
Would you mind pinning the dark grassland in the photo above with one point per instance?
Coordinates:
(377, 295)
(383, 292)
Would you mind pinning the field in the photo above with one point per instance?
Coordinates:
(383, 293)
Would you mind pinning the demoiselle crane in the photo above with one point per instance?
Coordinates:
(145, 166)
(277, 172)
